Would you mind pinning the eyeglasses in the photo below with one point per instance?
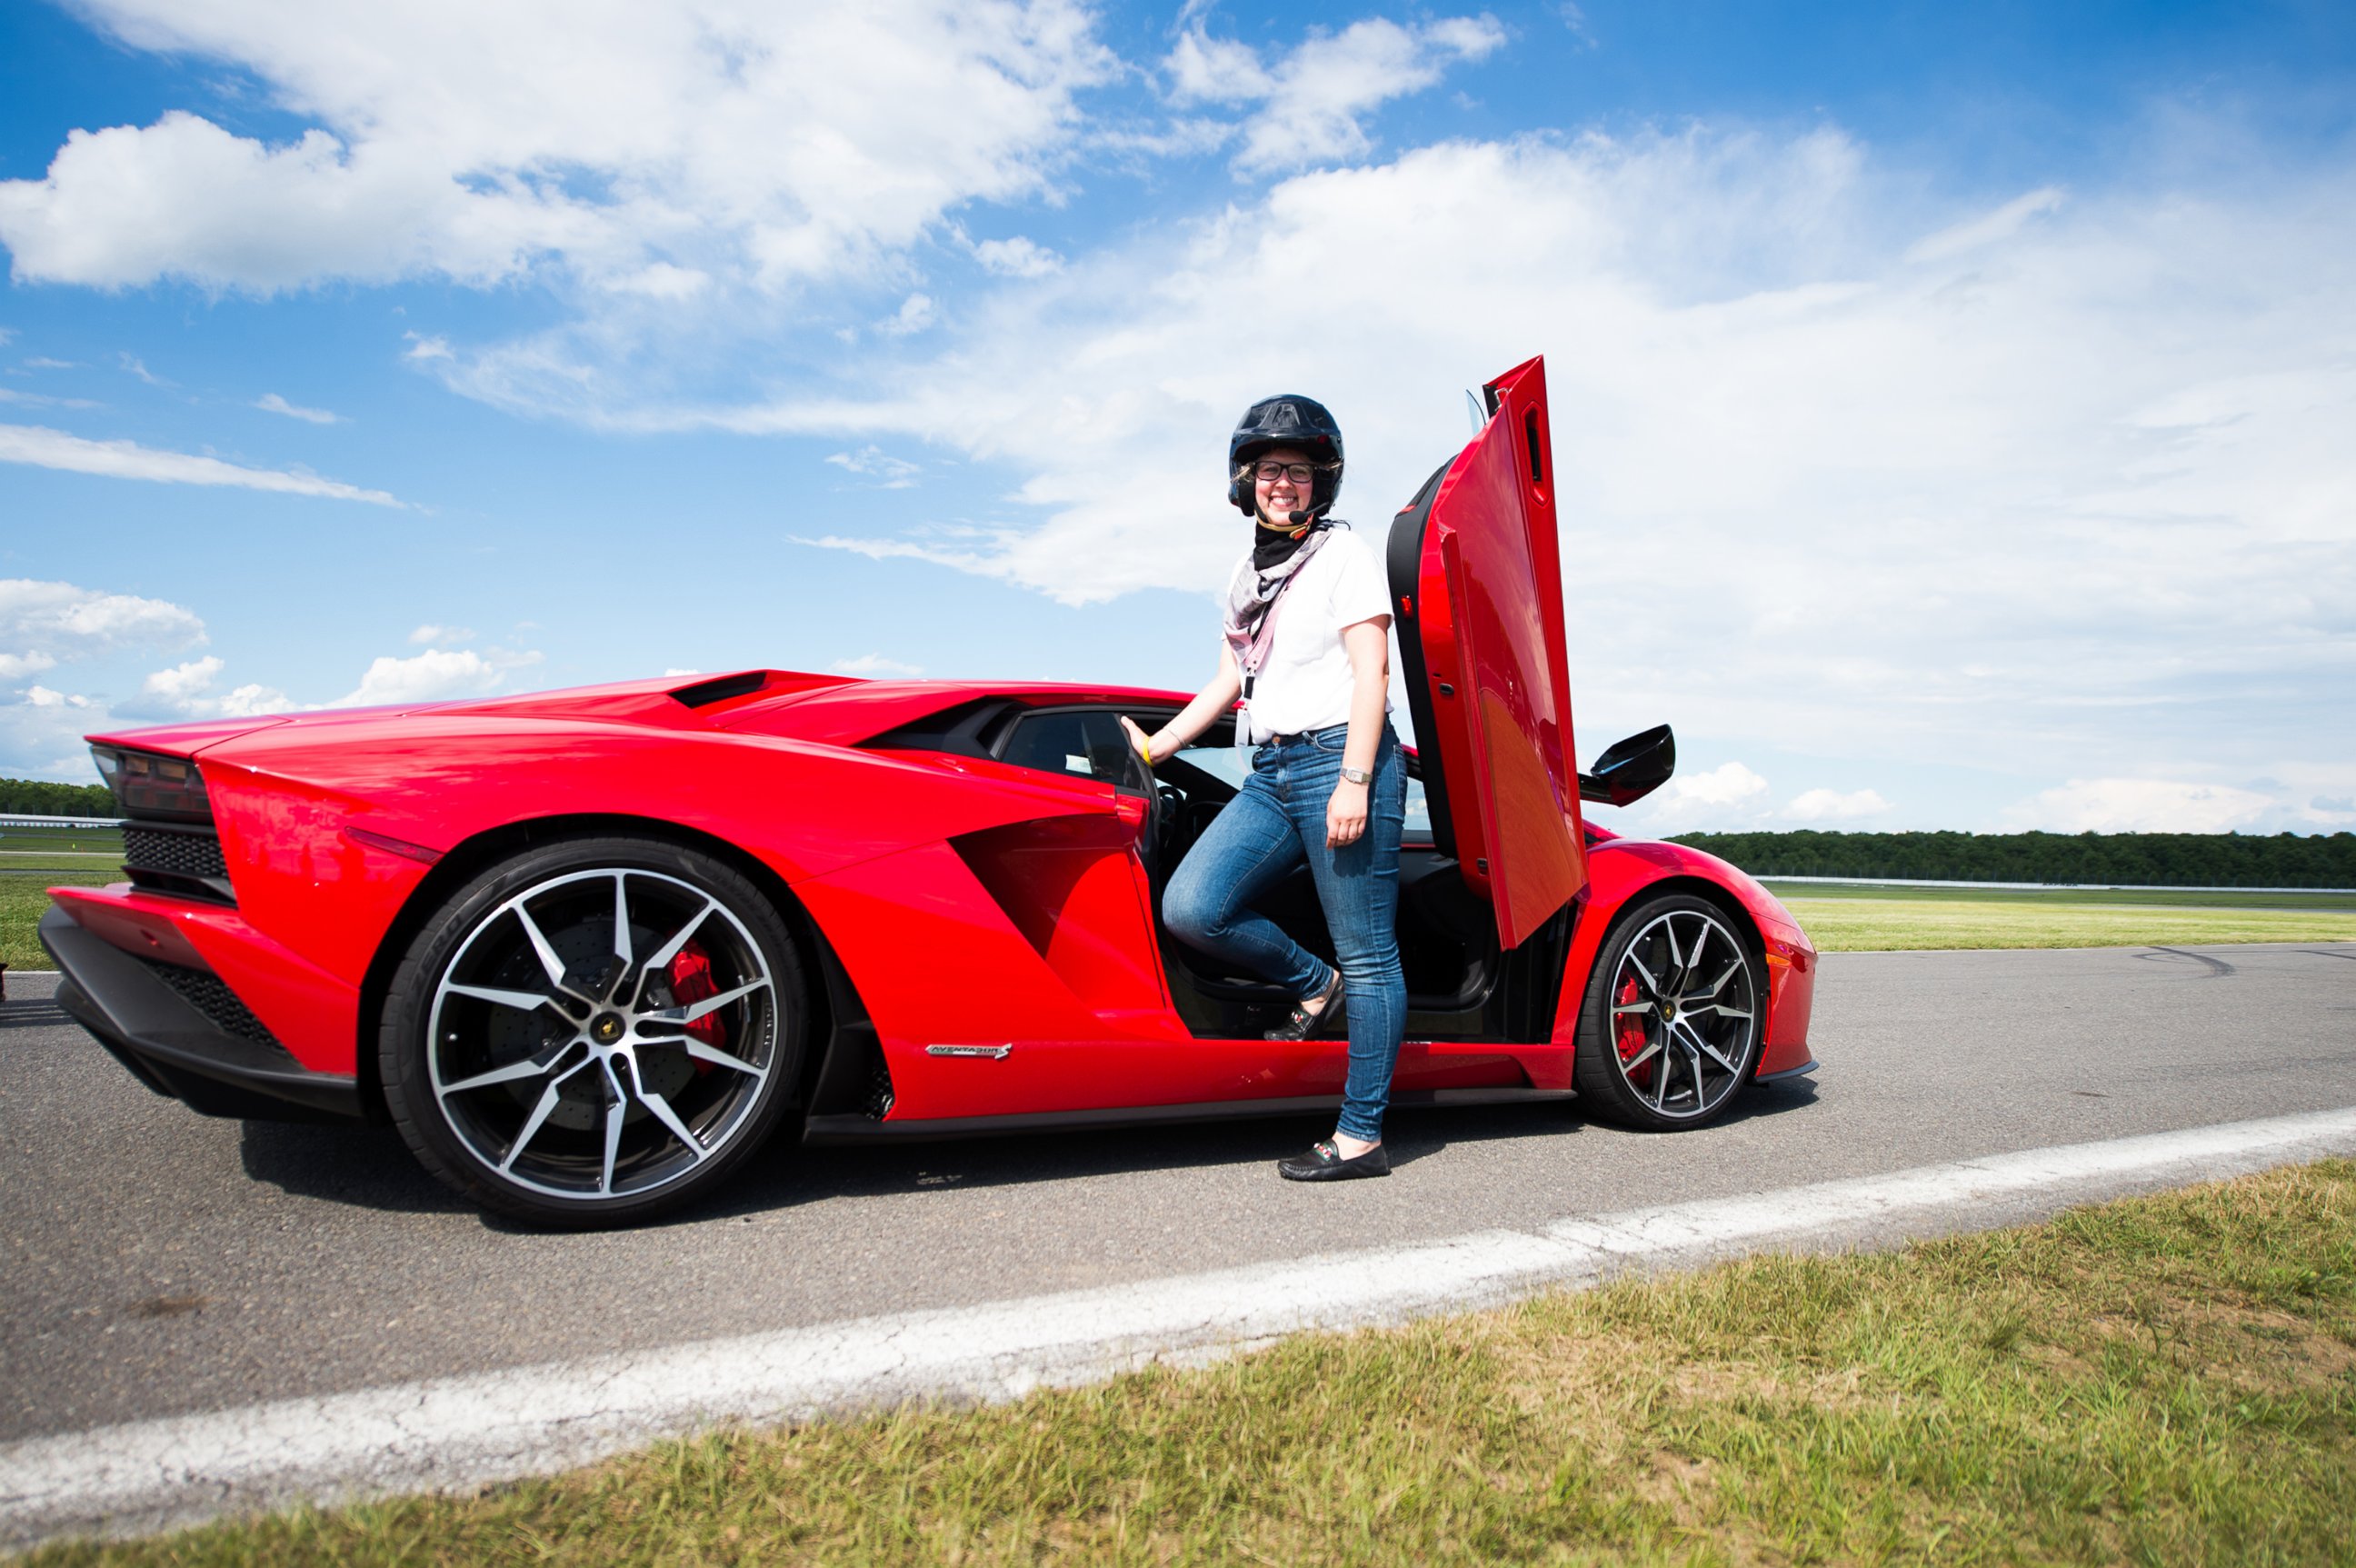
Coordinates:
(1299, 473)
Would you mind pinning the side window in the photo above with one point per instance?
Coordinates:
(1088, 744)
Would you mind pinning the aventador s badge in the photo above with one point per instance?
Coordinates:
(995, 1053)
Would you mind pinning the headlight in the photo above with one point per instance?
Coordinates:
(147, 785)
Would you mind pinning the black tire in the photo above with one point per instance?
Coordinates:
(537, 1056)
(1670, 1028)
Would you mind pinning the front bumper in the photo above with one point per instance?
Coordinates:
(183, 1033)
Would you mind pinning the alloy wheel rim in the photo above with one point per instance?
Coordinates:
(1685, 1014)
(602, 1035)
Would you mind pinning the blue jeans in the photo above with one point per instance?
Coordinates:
(1274, 823)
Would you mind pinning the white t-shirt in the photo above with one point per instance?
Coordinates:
(1306, 683)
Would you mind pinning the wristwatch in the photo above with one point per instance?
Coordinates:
(1357, 776)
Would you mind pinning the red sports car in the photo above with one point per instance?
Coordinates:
(588, 949)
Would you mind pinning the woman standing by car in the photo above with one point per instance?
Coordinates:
(1306, 647)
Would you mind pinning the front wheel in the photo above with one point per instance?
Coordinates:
(593, 1032)
(1671, 1023)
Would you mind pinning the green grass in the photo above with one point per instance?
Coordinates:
(2166, 1379)
(1855, 918)
(22, 900)
(32, 861)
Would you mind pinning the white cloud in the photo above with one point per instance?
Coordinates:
(660, 279)
(245, 702)
(41, 735)
(2142, 805)
(1726, 796)
(432, 636)
(1207, 69)
(1309, 106)
(985, 553)
(896, 473)
(186, 690)
(1018, 258)
(1831, 806)
(915, 314)
(42, 400)
(270, 403)
(45, 448)
(42, 362)
(635, 148)
(437, 674)
(422, 349)
(44, 622)
(130, 362)
(1987, 230)
(875, 664)
(44, 625)
(182, 683)
(1727, 784)
(17, 666)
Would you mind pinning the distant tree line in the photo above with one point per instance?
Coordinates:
(2166, 860)
(38, 798)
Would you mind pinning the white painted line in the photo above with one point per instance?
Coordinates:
(454, 1432)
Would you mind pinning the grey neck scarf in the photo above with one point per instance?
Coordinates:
(1251, 596)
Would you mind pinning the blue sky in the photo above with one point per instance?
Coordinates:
(1951, 403)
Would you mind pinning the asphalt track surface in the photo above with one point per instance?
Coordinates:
(158, 1263)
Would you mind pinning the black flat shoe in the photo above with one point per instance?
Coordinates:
(1324, 1163)
(1306, 1025)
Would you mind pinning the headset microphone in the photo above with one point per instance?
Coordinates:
(1297, 518)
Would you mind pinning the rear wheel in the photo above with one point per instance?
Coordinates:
(1671, 1023)
(593, 1032)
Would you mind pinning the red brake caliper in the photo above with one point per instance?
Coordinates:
(690, 982)
(1628, 1028)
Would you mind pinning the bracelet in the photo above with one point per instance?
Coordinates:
(1145, 750)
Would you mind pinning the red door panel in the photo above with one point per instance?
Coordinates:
(1478, 574)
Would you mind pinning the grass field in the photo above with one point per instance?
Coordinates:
(1850, 917)
(22, 900)
(2165, 1379)
(2105, 897)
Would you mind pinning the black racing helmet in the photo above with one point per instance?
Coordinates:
(1290, 419)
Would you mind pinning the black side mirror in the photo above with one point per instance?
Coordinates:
(1631, 769)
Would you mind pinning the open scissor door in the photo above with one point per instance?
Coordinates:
(1476, 580)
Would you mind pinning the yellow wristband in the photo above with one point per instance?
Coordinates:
(1145, 750)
